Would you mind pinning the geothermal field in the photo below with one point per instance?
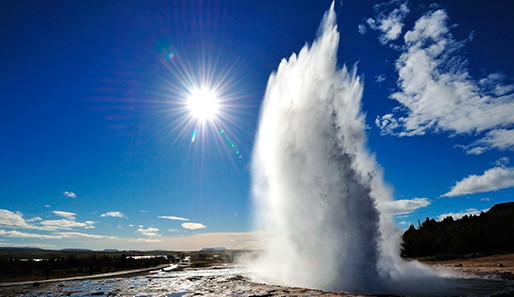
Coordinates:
(319, 190)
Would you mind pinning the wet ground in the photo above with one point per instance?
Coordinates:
(217, 281)
(223, 281)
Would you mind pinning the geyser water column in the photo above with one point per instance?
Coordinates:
(314, 183)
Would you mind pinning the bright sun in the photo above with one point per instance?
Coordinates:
(203, 104)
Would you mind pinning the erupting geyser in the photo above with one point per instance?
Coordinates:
(316, 186)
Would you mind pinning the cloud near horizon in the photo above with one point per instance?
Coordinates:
(150, 232)
(193, 226)
(56, 235)
(437, 93)
(458, 215)
(9, 219)
(496, 178)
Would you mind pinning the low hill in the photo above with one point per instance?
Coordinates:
(489, 233)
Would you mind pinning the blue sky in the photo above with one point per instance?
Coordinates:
(96, 145)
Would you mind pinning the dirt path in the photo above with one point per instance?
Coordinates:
(95, 276)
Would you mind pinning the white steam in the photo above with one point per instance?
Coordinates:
(316, 185)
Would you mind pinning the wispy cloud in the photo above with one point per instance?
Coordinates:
(114, 214)
(502, 162)
(150, 232)
(493, 179)
(57, 235)
(380, 78)
(83, 235)
(65, 214)
(458, 215)
(34, 219)
(436, 92)
(389, 23)
(404, 206)
(362, 29)
(145, 240)
(70, 194)
(193, 226)
(173, 218)
(66, 224)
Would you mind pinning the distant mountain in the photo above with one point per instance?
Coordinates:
(21, 248)
(213, 249)
(76, 250)
(489, 233)
(110, 250)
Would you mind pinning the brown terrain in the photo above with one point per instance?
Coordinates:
(499, 265)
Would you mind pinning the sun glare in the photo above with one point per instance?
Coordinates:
(203, 104)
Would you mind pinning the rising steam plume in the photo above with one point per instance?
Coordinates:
(316, 185)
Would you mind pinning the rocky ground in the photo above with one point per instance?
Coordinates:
(497, 265)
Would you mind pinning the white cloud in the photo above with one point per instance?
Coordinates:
(83, 235)
(130, 225)
(65, 214)
(458, 215)
(502, 161)
(114, 214)
(173, 230)
(362, 29)
(150, 232)
(485, 199)
(70, 194)
(173, 218)
(65, 224)
(437, 93)
(34, 219)
(493, 179)
(405, 206)
(500, 139)
(18, 234)
(9, 219)
(193, 226)
(390, 25)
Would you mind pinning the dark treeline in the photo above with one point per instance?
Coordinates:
(489, 233)
(71, 265)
